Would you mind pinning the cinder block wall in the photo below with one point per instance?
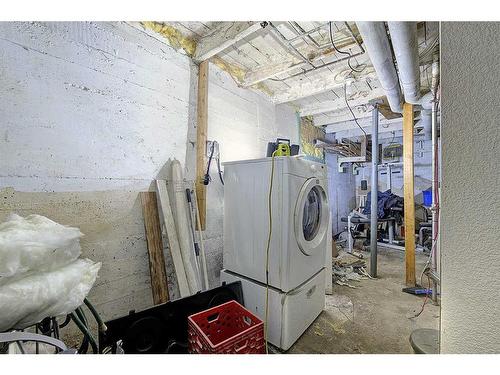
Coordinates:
(91, 115)
(470, 257)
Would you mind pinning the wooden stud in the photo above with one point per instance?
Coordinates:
(201, 141)
(155, 247)
(409, 193)
(173, 240)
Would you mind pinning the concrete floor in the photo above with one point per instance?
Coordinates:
(374, 318)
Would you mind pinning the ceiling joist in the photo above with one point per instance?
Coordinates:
(365, 123)
(254, 77)
(294, 63)
(338, 104)
(223, 36)
(314, 86)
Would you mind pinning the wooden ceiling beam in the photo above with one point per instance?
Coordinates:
(223, 36)
(293, 63)
(365, 123)
(338, 104)
(307, 88)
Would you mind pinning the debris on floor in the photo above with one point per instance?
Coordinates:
(348, 267)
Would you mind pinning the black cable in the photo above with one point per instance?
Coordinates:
(342, 52)
(206, 178)
(66, 322)
(352, 113)
(220, 172)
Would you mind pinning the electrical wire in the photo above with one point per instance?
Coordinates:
(207, 178)
(219, 170)
(425, 300)
(343, 52)
(434, 243)
(352, 113)
(270, 212)
(66, 322)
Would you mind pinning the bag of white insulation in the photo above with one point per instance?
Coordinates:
(40, 273)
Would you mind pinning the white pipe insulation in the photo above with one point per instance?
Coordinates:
(405, 45)
(426, 123)
(377, 44)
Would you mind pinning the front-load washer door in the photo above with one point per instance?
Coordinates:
(311, 216)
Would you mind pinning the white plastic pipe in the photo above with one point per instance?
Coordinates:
(182, 224)
(377, 44)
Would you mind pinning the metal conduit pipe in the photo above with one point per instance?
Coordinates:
(374, 194)
(405, 45)
(377, 44)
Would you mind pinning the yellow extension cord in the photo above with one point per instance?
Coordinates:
(270, 212)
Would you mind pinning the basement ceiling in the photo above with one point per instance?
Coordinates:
(297, 63)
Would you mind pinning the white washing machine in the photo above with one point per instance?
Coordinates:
(300, 216)
(300, 222)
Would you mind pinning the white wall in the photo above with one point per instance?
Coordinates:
(90, 115)
(470, 260)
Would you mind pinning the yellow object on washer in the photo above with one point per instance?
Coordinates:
(283, 149)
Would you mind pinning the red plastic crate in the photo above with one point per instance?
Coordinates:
(226, 329)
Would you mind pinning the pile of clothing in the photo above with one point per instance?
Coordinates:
(385, 202)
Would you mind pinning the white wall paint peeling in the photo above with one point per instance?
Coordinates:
(91, 114)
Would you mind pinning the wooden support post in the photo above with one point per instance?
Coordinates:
(409, 193)
(201, 141)
(155, 247)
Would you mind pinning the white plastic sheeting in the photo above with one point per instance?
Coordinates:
(59, 292)
(40, 275)
(35, 243)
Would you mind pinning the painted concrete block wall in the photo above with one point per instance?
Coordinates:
(470, 258)
(91, 115)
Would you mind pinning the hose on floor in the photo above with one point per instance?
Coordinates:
(81, 325)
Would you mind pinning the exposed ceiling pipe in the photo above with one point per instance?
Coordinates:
(405, 45)
(426, 123)
(377, 44)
